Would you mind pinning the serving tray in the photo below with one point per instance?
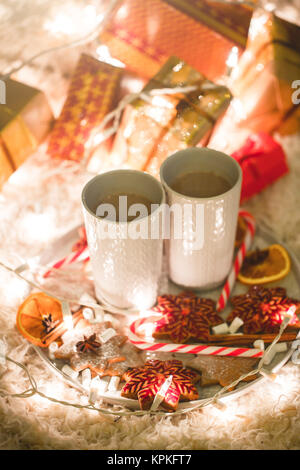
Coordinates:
(291, 282)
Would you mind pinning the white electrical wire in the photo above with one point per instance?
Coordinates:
(89, 37)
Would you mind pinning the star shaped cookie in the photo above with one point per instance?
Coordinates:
(262, 309)
(222, 370)
(185, 317)
(85, 347)
(144, 382)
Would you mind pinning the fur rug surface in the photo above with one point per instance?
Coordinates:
(39, 204)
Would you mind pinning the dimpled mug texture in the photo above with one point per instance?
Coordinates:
(207, 266)
(126, 271)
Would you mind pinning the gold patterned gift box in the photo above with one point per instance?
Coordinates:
(196, 116)
(145, 122)
(153, 128)
(25, 120)
(143, 34)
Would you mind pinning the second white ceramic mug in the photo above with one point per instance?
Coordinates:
(200, 255)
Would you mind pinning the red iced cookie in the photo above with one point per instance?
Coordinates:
(185, 317)
(262, 309)
(144, 382)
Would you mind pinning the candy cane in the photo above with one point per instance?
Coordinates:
(203, 349)
(80, 255)
(238, 261)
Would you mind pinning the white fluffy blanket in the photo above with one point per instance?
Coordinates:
(39, 204)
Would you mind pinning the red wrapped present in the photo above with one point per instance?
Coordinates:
(90, 97)
(263, 161)
(143, 34)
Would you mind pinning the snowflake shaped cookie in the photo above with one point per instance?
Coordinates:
(262, 309)
(185, 317)
(144, 382)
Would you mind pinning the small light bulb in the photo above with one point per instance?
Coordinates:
(268, 375)
(220, 405)
(291, 311)
(232, 58)
(53, 347)
(88, 313)
(68, 321)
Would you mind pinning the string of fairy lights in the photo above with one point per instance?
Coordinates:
(213, 400)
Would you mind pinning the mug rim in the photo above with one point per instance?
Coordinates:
(125, 170)
(203, 150)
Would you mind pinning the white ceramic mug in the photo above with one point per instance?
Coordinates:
(202, 256)
(126, 268)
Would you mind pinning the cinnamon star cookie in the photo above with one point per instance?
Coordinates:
(185, 317)
(87, 348)
(144, 382)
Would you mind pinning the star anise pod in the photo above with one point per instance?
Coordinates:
(88, 344)
(257, 257)
(49, 324)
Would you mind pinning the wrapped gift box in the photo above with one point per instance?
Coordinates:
(143, 34)
(154, 128)
(25, 121)
(262, 81)
(196, 116)
(231, 21)
(290, 123)
(91, 95)
(5, 164)
(189, 128)
(144, 123)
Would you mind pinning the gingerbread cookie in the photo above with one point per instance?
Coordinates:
(185, 317)
(89, 346)
(262, 309)
(143, 383)
(222, 370)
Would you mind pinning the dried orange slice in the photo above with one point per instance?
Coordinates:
(264, 266)
(40, 319)
(240, 232)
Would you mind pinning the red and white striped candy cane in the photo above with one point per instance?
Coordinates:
(203, 349)
(81, 255)
(238, 261)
